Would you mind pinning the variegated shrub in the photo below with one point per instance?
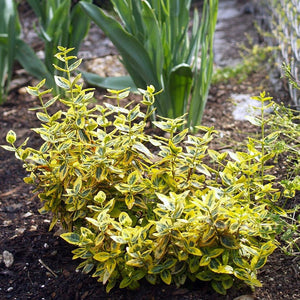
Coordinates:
(148, 206)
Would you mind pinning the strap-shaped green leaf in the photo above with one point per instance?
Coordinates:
(31, 63)
(114, 83)
(135, 57)
(179, 87)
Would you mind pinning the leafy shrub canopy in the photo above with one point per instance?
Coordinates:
(148, 206)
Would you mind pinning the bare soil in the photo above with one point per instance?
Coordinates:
(43, 267)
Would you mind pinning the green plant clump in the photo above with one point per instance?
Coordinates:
(147, 206)
(153, 40)
(9, 26)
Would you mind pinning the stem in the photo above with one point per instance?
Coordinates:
(263, 142)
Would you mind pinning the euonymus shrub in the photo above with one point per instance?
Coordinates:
(147, 206)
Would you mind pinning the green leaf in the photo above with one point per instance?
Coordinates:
(50, 102)
(205, 276)
(224, 269)
(8, 148)
(156, 269)
(151, 278)
(240, 262)
(11, 137)
(75, 65)
(135, 263)
(170, 263)
(118, 239)
(102, 256)
(214, 265)
(83, 136)
(194, 251)
(180, 136)
(241, 274)
(31, 63)
(218, 287)
(250, 250)
(194, 264)
(133, 178)
(135, 57)
(227, 283)
(63, 169)
(77, 185)
(114, 83)
(271, 137)
(166, 276)
(142, 149)
(215, 252)
(254, 120)
(42, 117)
(124, 219)
(205, 260)
(62, 82)
(88, 268)
(71, 237)
(229, 242)
(179, 87)
(138, 274)
(258, 262)
(125, 282)
(100, 197)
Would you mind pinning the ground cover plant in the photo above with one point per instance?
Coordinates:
(140, 205)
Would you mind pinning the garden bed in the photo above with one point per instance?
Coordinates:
(43, 267)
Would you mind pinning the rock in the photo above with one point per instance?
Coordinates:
(28, 214)
(245, 106)
(108, 66)
(245, 297)
(8, 258)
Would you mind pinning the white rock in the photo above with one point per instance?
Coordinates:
(245, 106)
(244, 297)
(8, 258)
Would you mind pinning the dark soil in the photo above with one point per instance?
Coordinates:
(43, 267)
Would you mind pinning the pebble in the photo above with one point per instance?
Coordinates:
(20, 230)
(7, 223)
(8, 258)
(108, 66)
(28, 214)
(245, 297)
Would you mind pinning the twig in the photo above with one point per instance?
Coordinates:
(44, 265)
(12, 191)
(29, 278)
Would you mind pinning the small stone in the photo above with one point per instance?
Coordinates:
(22, 91)
(244, 297)
(10, 289)
(8, 258)
(7, 223)
(28, 214)
(20, 230)
(33, 228)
